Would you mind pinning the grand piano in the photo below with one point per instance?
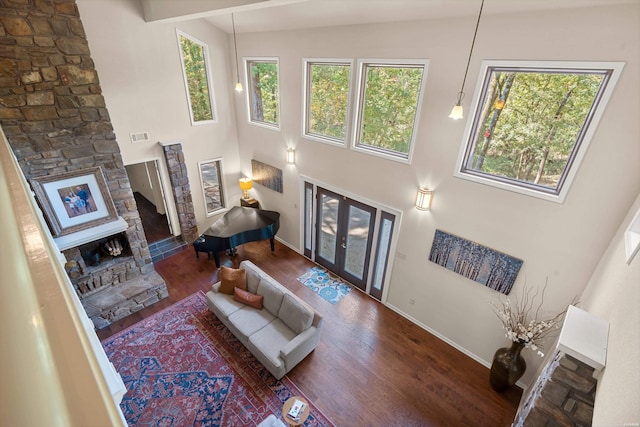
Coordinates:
(239, 225)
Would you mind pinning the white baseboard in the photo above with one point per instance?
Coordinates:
(287, 244)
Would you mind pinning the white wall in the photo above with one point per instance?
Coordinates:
(140, 72)
(613, 293)
(140, 181)
(139, 68)
(144, 178)
(560, 241)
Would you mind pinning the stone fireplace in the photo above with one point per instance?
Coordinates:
(55, 118)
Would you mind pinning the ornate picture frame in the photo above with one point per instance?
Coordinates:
(74, 201)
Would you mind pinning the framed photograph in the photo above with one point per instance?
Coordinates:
(212, 189)
(74, 201)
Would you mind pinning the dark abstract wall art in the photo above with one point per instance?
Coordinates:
(479, 263)
(266, 175)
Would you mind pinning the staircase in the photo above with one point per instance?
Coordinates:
(166, 247)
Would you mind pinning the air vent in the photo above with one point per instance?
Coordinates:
(139, 137)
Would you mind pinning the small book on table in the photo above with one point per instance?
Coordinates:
(296, 410)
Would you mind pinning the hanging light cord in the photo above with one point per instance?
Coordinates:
(473, 42)
(235, 46)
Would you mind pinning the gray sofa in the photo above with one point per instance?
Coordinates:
(280, 335)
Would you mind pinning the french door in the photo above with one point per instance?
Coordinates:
(344, 235)
(348, 237)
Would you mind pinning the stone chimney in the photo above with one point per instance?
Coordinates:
(55, 119)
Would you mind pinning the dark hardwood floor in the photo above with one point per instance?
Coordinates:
(155, 225)
(372, 366)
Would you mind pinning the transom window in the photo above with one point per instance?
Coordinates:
(532, 124)
(390, 95)
(326, 99)
(195, 70)
(262, 93)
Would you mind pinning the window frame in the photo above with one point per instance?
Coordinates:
(223, 193)
(359, 103)
(580, 146)
(247, 75)
(207, 70)
(307, 63)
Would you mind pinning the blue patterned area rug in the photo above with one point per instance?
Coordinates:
(319, 281)
(183, 367)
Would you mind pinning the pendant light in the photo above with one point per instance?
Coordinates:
(235, 47)
(456, 112)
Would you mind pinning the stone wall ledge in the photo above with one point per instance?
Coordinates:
(118, 301)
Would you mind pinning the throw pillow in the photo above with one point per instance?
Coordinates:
(231, 278)
(247, 298)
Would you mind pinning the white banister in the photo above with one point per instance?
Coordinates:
(54, 371)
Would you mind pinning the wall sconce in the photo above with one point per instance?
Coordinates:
(291, 156)
(423, 199)
(245, 185)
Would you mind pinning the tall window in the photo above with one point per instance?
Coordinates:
(327, 100)
(532, 124)
(390, 94)
(195, 69)
(212, 188)
(263, 95)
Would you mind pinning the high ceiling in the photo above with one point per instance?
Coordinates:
(274, 15)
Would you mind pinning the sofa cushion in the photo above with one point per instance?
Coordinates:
(271, 339)
(295, 315)
(272, 295)
(224, 306)
(271, 421)
(247, 298)
(248, 321)
(231, 278)
(253, 278)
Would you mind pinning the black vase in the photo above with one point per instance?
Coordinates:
(508, 367)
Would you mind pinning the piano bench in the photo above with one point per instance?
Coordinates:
(200, 246)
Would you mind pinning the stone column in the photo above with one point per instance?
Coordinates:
(181, 190)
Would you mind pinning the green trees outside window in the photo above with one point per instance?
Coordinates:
(389, 100)
(530, 122)
(327, 100)
(263, 91)
(195, 68)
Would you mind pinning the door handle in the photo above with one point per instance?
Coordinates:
(344, 245)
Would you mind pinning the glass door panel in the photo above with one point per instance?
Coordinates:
(327, 228)
(382, 254)
(341, 237)
(357, 238)
(308, 219)
(357, 244)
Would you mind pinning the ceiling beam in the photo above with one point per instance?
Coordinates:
(182, 10)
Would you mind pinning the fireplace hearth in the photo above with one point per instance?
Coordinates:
(109, 285)
(56, 121)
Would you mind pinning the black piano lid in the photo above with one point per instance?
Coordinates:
(240, 219)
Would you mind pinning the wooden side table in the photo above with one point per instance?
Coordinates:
(249, 203)
(287, 406)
